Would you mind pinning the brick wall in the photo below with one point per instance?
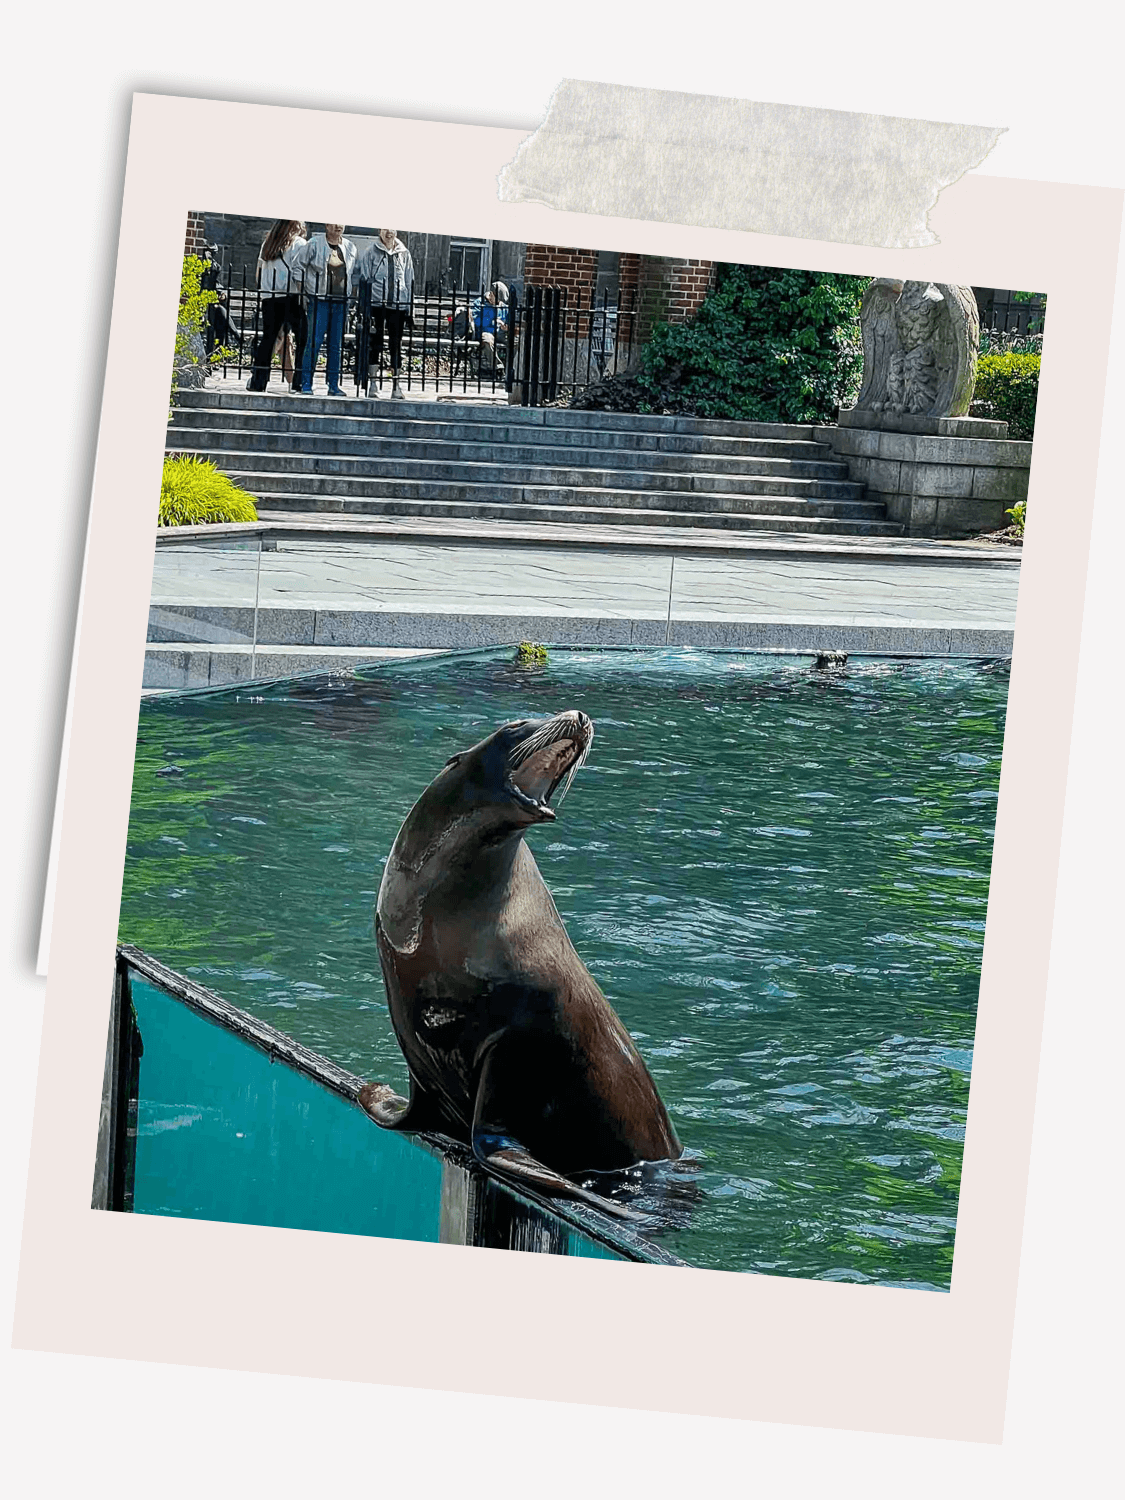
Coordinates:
(195, 238)
(558, 265)
(628, 284)
(574, 270)
(661, 288)
(691, 281)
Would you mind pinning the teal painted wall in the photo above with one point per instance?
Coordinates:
(223, 1133)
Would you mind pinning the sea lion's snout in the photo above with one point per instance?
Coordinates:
(548, 752)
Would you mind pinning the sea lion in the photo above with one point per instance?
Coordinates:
(512, 1047)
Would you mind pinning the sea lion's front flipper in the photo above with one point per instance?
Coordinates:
(384, 1106)
(393, 1112)
(508, 1159)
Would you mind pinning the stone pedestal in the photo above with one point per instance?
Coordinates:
(938, 476)
(885, 421)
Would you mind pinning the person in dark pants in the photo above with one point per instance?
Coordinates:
(220, 331)
(387, 267)
(279, 281)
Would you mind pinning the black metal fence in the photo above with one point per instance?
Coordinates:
(999, 316)
(542, 348)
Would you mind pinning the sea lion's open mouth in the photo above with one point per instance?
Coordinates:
(551, 753)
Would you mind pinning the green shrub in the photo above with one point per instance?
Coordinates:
(1007, 385)
(767, 345)
(1018, 514)
(194, 493)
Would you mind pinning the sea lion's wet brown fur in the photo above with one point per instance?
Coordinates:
(511, 1045)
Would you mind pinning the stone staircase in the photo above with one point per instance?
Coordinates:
(358, 458)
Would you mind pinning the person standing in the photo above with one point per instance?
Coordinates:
(220, 331)
(327, 265)
(279, 282)
(387, 267)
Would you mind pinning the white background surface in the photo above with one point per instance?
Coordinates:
(97, 1425)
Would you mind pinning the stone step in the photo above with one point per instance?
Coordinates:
(767, 497)
(531, 416)
(261, 473)
(809, 460)
(785, 513)
(396, 425)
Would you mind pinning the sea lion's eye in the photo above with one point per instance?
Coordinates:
(453, 759)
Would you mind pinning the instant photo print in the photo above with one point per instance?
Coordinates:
(558, 848)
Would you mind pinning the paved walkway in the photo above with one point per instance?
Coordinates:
(408, 577)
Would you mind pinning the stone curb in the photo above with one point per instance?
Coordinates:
(609, 538)
(177, 629)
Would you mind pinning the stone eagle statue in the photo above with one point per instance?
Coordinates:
(920, 346)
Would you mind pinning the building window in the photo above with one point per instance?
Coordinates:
(468, 265)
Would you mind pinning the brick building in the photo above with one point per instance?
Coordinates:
(196, 236)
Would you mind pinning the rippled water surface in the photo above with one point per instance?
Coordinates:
(778, 876)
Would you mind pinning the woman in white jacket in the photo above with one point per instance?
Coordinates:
(327, 266)
(279, 281)
(387, 267)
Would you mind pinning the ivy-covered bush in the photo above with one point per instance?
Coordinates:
(1006, 390)
(767, 345)
(194, 493)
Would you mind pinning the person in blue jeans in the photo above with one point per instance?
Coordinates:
(327, 265)
(490, 324)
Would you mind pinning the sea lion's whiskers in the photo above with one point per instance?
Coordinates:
(570, 775)
(558, 728)
(561, 727)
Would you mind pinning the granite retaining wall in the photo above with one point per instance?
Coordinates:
(935, 485)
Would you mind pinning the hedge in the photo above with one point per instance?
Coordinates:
(194, 493)
(1007, 385)
(766, 345)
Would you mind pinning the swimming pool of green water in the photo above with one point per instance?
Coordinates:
(778, 876)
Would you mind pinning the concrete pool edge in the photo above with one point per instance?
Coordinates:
(185, 663)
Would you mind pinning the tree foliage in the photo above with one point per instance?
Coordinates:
(767, 345)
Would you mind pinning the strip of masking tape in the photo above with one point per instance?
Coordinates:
(782, 169)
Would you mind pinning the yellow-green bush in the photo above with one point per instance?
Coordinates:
(1007, 385)
(194, 493)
